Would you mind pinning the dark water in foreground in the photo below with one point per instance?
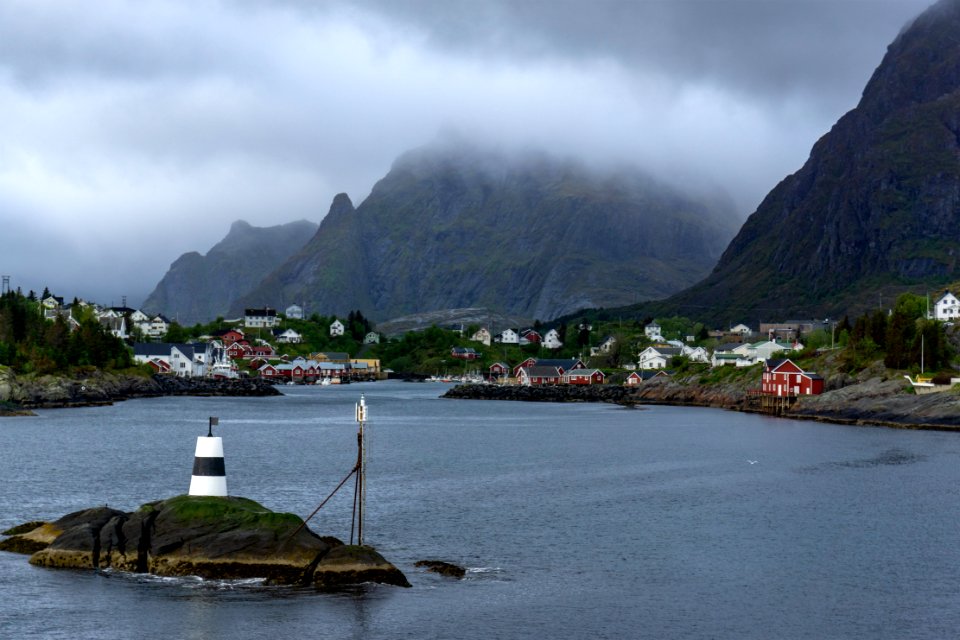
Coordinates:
(575, 521)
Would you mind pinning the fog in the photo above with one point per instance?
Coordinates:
(141, 130)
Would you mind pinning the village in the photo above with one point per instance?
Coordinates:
(271, 345)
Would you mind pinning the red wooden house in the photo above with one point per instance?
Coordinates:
(530, 336)
(498, 370)
(583, 376)
(261, 350)
(238, 350)
(633, 379)
(539, 376)
(464, 353)
(269, 371)
(159, 366)
(529, 362)
(564, 364)
(781, 377)
(228, 336)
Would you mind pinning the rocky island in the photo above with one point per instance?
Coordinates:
(208, 536)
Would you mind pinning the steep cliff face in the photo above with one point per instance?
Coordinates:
(199, 288)
(448, 228)
(876, 207)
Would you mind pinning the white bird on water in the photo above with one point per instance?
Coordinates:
(753, 461)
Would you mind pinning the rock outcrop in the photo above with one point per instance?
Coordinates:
(446, 569)
(96, 388)
(206, 536)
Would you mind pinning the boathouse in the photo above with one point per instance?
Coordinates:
(782, 378)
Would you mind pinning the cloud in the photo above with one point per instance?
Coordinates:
(140, 130)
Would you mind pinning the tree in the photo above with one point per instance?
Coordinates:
(898, 340)
(176, 333)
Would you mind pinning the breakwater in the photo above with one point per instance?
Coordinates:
(556, 393)
(875, 401)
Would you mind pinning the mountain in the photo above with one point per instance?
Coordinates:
(199, 288)
(874, 211)
(452, 226)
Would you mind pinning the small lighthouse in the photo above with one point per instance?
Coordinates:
(209, 474)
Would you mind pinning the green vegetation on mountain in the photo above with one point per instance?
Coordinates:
(451, 227)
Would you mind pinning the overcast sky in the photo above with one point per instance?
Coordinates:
(141, 130)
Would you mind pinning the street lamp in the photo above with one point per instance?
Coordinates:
(833, 329)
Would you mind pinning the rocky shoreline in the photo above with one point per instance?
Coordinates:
(217, 538)
(20, 394)
(872, 401)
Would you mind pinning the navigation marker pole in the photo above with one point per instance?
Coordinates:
(360, 489)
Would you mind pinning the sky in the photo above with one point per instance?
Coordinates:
(134, 131)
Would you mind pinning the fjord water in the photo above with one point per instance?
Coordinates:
(574, 520)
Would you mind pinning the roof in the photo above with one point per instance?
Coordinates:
(151, 349)
(729, 346)
(666, 351)
(566, 363)
(260, 312)
(648, 374)
(584, 372)
(542, 372)
(334, 355)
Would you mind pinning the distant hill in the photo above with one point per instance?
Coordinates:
(199, 288)
(876, 208)
(450, 227)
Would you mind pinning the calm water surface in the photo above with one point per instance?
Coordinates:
(575, 521)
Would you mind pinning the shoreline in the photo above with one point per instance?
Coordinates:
(872, 403)
(19, 395)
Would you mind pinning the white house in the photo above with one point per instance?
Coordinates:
(336, 328)
(719, 359)
(372, 338)
(741, 329)
(260, 318)
(696, 354)
(604, 347)
(157, 327)
(509, 336)
(294, 312)
(657, 357)
(185, 360)
(551, 340)
(287, 336)
(116, 326)
(947, 307)
(762, 351)
(51, 306)
(482, 335)
(652, 331)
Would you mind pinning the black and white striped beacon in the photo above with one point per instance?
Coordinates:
(209, 474)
